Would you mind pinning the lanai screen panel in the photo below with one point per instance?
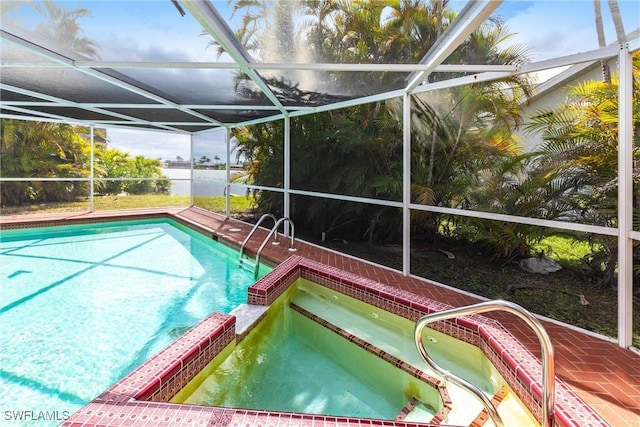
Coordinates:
(333, 32)
(559, 28)
(132, 31)
(520, 32)
(145, 52)
(293, 46)
(120, 57)
(189, 86)
(68, 84)
(312, 88)
(354, 151)
(209, 162)
(239, 114)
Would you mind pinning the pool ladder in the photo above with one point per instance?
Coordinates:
(548, 375)
(245, 261)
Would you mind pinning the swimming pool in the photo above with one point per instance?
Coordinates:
(83, 305)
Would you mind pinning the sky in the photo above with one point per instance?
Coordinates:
(167, 145)
(154, 30)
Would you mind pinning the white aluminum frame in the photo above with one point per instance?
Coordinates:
(625, 198)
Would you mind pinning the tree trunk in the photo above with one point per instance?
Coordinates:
(617, 21)
(604, 65)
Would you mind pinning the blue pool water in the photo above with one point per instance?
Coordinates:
(81, 306)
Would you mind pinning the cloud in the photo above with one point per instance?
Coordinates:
(164, 145)
(557, 28)
(145, 30)
(553, 29)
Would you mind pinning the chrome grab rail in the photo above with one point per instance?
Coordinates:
(264, 242)
(253, 230)
(548, 374)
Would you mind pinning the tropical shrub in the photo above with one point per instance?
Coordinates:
(115, 163)
(32, 151)
(581, 147)
(35, 150)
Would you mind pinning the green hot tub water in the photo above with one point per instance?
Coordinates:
(291, 363)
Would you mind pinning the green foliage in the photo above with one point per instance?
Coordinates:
(457, 135)
(36, 150)
(565, 248)
(61, 25)
(580, 149)
(118, 164)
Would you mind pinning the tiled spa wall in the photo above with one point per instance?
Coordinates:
(518, 366)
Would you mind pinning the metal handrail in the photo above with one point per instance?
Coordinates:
(548, 375)
(253, 230)
(264, 242)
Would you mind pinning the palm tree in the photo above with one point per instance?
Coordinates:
(359, 149)
(604, 65)
(617, 21)
(581, 147)
(62, 27)
(317, 16)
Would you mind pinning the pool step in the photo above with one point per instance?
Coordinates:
(247, 263)
(407, 409)
(412, 410)
(416, 411)
(483, 416)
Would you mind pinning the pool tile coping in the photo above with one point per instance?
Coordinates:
(141, 397)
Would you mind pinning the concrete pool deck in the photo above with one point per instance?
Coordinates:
(603, 375)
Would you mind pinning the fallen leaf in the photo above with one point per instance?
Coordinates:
(583, 300)
(449, 255)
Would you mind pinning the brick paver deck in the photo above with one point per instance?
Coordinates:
(604, 375)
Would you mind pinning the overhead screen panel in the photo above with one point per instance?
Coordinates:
(63, 59)
(195, 86)
(323, 33)
(148, 30)
(156, 114)
(11, 96)
(74, 114)
(347, 32)
(311, 88)
(65, 63)
(11, 112)
(237, 116)
(70, 85)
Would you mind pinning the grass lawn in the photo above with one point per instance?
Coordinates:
(110, 202)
